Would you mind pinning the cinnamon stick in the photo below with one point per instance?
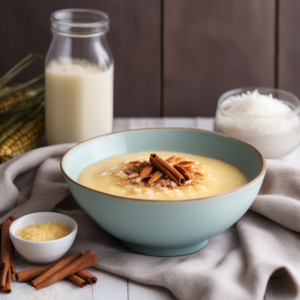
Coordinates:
(29, 275)
(85, 261)
(182, 171)
(77, 280)
(11, 258)
(90, 278)
(167, 169)
(12, 218)
(7, 288)
(57, 267)
(6, 256)
(158, 174)
(12, 264)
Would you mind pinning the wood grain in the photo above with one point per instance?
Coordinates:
(289, 46)
(211, 46)
(134, 38)
(109, 286)
(139, 291)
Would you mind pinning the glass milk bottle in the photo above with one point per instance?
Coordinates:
(79, 77)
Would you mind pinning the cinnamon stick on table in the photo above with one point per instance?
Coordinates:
(7, 288)
(88, 277)
(7, 265)
(56, 268)
(77, 280)
(85, 261)
(29, 275)
(12, 264)
(167, 169)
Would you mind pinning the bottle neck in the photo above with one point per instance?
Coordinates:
(79, 23)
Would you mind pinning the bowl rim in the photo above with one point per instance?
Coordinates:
(261, 173)
(74, 230)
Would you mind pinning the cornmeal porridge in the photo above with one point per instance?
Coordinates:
(162, 175)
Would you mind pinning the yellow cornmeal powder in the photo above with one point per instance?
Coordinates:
(42, 232)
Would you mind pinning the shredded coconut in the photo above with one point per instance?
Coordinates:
(173, 184)
(133, 175)
(120, 173)
(178, 191)
(254, 104)
(136, 180)
(150, 192)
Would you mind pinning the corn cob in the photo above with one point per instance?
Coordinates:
(20, 87)
(13, 101)
(5, 90)
(30, 138)
(32, 102)
(11, 130)
(28, 114)
(28, 133)
(21, 119)
(11, 120)
(19, 148)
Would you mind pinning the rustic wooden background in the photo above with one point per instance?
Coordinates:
(173, 57)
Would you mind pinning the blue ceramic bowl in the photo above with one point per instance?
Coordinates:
(165, 228)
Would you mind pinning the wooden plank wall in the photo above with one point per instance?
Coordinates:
(134, 38)
(173, 57)
(289, 46)
(212, 46)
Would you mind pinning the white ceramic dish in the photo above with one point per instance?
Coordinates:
(42, 252)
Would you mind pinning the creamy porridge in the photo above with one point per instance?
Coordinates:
(139, 175)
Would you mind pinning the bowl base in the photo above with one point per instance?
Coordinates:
(165, 251)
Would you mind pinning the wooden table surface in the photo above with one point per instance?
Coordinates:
(111, 287)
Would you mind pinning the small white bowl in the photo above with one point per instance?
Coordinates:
(42, 252)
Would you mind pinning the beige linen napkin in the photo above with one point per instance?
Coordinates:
(257, 256)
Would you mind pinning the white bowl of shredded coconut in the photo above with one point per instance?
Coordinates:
(267, 118)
